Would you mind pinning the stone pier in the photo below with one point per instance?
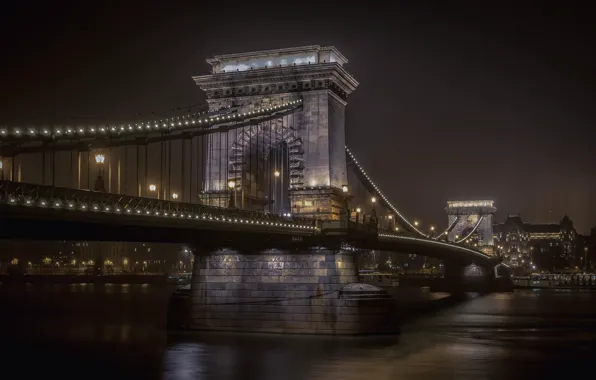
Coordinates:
(310, 292)
(462, 278)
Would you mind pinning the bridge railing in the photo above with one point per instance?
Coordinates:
(33, 195)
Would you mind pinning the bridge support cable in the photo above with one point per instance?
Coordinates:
(15, 140)
(367, 181)
(449, 228)
(471, 232)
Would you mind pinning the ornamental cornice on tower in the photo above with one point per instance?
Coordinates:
(463, 207)
(277, 71)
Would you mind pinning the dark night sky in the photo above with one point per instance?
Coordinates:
(454, 100)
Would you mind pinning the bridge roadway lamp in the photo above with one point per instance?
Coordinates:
(276, 173)
(99, 160)
(153, 188)
(232, 186)
(373, 199)
(175, 195)
(416, 223)
(344, 188)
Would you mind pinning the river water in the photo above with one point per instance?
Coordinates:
(117, 332)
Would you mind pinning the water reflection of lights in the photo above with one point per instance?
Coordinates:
(474, 271)
(184, 361)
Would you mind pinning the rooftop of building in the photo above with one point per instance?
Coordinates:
(514, 221)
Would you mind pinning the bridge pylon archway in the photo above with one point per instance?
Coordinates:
(313, 136)
(472, 218)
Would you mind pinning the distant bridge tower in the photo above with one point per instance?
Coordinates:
(305, 150)
(472, 217)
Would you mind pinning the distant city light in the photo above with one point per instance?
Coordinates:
(373, 199)
(175, 195)
(100, 158)
(152, 187)
(276, 173)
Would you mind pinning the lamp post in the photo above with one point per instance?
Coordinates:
(232, 188)
(153, 189)
(274, 208)
(99, 184)
(373, 216)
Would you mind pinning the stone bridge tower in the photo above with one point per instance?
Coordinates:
(313, 137)
(469, 214)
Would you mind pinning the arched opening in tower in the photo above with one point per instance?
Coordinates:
(265, 162)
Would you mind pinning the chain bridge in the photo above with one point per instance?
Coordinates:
(262, 185)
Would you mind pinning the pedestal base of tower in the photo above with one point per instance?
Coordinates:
(310, 292)
(459, 278)
(323, 203)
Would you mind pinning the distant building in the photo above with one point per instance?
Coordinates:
(110, 257)
(134, 257)
(536, 246)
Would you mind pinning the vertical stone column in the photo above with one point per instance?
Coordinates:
(454, 278)
(323, 131)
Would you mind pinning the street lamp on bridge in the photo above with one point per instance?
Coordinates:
(232, 188)
(358, 211)
(153, 189)
(175, 195)
(99, 184)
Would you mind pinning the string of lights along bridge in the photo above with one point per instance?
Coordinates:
(174, 123)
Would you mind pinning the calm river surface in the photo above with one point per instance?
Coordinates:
(117, 332)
